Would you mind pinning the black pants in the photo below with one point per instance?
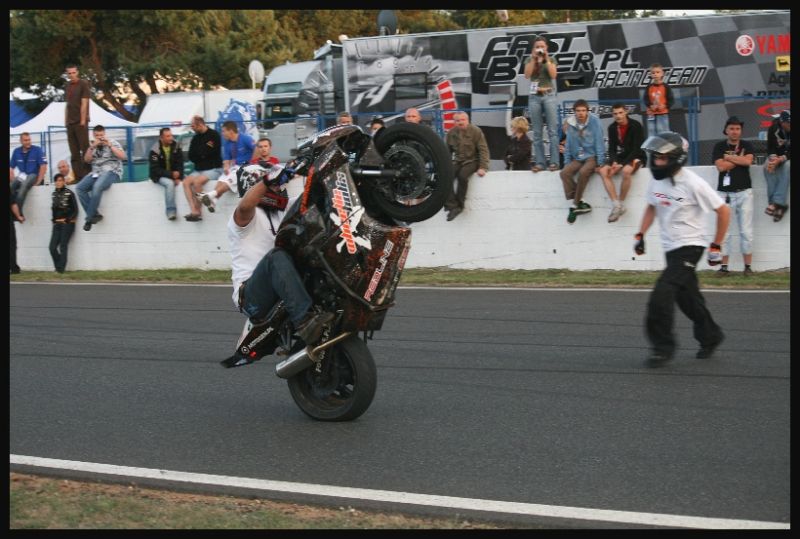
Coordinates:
(463, 173)
(59, 242)
(678, 284)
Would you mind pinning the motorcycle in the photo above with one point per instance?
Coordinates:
(349, 238)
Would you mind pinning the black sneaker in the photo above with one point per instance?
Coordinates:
(452, 214)
(706, 351)
(88, 226)
(97, 218)
(572, 215)
(658, 359)
(583, 207)
(723, 272)
(748, 272)
(310, 328)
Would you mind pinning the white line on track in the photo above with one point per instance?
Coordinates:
(387, 496)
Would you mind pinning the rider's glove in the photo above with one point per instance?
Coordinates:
(638, 246)
(714, 254)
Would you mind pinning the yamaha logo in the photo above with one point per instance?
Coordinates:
(745, 45)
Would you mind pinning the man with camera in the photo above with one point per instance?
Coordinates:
(541, 70)
(105, 156)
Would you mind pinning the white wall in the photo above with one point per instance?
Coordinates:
(513, 220)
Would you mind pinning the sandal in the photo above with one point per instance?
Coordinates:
(770, 209)
(192, 217)
(778, 215)
(536, 169)
(553, 167)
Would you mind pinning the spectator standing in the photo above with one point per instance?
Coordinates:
(12, 243)
(658, 100)
(583, 151)
(76, 119)
(777, 169)
(237, 150)
(30, 162)
(65, 214)
(470, 155)
(166, 169)
(205, 151)
(106, 156)
(263, 154)
(733, 158)
(412, 116)
(69, 175)
(518, 152)
(683, 237)
(625, 138)
(541, 69)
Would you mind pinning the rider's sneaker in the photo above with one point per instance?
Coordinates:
(310, 328)
(206, 200)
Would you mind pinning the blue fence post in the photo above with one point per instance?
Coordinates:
(129, 144)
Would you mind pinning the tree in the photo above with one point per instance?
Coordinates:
(120, 50)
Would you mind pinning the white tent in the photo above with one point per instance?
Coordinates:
(53, 117)
(47, 131)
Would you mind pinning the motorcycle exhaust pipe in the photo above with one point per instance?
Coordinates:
(300, 361)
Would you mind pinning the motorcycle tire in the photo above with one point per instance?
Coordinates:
(427, 179)
(345, 387)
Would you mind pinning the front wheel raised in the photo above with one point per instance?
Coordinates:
(343, 388)
(424, 170)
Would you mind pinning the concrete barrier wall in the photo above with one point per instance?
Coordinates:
(513, 220)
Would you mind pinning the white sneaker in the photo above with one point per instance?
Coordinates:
(616, 213)
(206, 200)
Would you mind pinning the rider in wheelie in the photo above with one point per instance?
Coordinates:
(263, 275)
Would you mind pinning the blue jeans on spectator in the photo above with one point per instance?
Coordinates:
(548, 105)
(275, 278)
(21, 187)
(657, 123)
(778, 184)
(169, 195)
(741, 205)
(90, 191)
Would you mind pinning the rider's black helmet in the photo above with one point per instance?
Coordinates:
(668, 143)
(272, 176)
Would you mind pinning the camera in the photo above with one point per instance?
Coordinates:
(540, 52)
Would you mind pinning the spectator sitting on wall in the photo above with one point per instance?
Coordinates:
(584, 149)
(625, 138)
(166, 168)
(31, 164)
(263, 154)
(518, 151)
(205, 151)
(470, 155)
(106, 156)
(237, 150)
(65, 170)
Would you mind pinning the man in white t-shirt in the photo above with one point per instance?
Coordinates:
(263, 275)
(680, 199)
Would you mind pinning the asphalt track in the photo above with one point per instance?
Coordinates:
(531, 406)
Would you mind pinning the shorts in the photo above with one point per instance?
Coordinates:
(212, 174)
(230, 179)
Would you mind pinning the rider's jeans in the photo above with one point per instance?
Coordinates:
(275, 278)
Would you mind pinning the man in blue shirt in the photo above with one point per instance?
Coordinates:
(237, 150)
(584, 152)
(30, 164)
